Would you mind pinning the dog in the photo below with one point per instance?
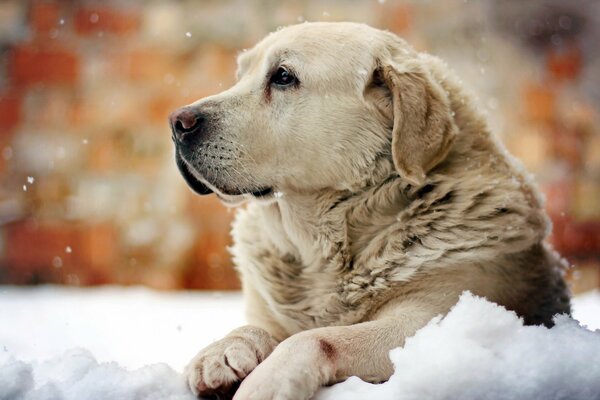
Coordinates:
(375, 196)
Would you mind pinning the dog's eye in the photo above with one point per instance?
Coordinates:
(283, 77)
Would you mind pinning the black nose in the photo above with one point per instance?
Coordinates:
(186, 124)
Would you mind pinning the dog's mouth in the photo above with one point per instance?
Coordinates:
(202, 188)
(195, 184)
(262, 193)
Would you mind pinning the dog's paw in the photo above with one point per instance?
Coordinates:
(218, 369)
(283, 382)
(294, 371)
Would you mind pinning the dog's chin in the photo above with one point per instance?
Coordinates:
(237, 198)
(227, 195)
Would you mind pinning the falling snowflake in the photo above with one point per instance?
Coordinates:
(30, 179)
(188, 34)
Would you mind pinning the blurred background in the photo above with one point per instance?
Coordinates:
(89, 191)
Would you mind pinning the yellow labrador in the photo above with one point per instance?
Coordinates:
(376, 195)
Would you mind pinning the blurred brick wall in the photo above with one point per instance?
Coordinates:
(89, 193)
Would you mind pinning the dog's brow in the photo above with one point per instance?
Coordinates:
(280, 57)
(283, 55)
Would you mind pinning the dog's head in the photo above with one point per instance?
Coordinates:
(314, 106)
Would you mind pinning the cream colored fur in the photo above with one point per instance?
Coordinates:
(394, 199)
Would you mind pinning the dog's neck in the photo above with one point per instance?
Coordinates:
(320, 226)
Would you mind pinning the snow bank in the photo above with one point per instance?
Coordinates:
(76, 375)
(478, 351)
(481, 351)
(132, 326)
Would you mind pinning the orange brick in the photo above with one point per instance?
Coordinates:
(150, 64)
(31, 64)
(540, 103)
(99, 247)
(94, 19)
(5, 142)
(564, 64)
(211, 267)
(10, 112)
(44, 15)
(59, 251)
(31, 249)
(577, 239)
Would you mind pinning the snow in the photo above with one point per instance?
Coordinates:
(132, 326)
(481, 351)
(586, 309)
(77, 375)
(60, 343)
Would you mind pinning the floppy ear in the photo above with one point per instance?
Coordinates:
(423, 127)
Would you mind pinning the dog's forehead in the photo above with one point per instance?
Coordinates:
(307, 34)
(324, 42)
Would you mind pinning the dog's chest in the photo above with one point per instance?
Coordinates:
(327, 292)
(301, 297)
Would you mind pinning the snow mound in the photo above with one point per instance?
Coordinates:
(76, 375)
(482, 351)
(586, 309)
(478, 351)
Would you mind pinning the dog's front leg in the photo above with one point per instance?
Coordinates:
(302, 363)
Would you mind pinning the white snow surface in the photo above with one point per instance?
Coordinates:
(481, 351)
(117, 343)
